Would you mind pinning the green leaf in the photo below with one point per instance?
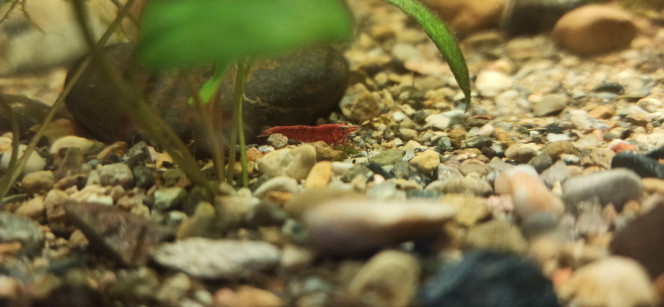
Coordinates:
(190, 33)
(443, 39)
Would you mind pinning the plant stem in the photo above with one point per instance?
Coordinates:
(139, 111)
(12, 166)
(206, 111)
(243, 67)
(442, 38)
(14, 173)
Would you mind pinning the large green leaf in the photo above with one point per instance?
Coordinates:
(189, 33)
(443, 39)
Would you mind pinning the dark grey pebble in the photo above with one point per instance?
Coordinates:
(642, 240)
(615, 186)
(18, 228)
(538, 223)
(486, 278)
(478, 141)
(541, 162)
(641, 164)
(609, 87)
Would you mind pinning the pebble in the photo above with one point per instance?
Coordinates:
(37, 182)
(474, 166)
(468, 16)
(555, 149)
(426, 161)
(558, 172)
(643, 165)
(487, 278)
(281, 184)
(613, 281)
(358, 104)
(390, 279)
(217, 259)
(541, 162)
(615, 186)
(35, 162)
(438, 121)
(292, 162)
(470, 209)
(169, 198)
(116, 174)
(602, 112)
(33, 209)
(520, 153)
(492, 83)
(388, 157)
(641, 240)
(463, 185)
(319, 176)
(595, 28)
(123, 236)
(495, 235)
(55, 212)
(246, 296)
(350, 227)
(551, 104)
(65, 142)
(15, 228)
(528, 192)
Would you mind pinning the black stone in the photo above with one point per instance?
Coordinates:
(530, 17)
(486, 278)
(297, 88)
(643, 165)
(609, 87)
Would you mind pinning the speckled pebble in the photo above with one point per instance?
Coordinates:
(614, 186)
(217, 259)
(116, 174)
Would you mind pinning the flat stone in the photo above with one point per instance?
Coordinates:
(218, 259)
(551, 104)
(123, 236)
(616, 186)
(38, 181)
(350, 227)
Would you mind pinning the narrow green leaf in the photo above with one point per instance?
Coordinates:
(443, 39)
(210, 87)
(183, 34)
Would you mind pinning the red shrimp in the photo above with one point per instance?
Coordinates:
(329, 133)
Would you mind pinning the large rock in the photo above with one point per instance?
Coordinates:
(593, 29)
(294, 89)
(530, 17)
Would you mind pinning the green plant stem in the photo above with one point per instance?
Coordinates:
(442, 38)
(15, 173)
(131, 102)
(206, 111)
(243, 68)
(13, 121)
